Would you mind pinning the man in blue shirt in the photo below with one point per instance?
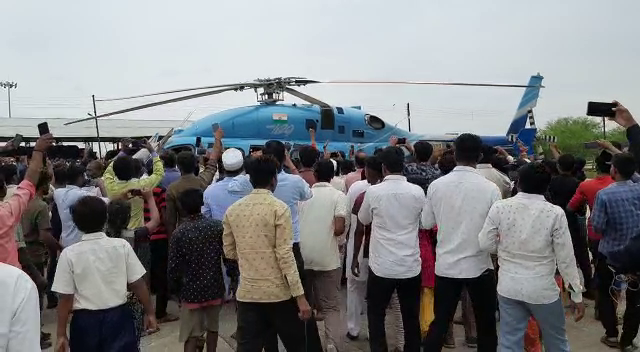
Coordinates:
(217, 197)
(616, 215)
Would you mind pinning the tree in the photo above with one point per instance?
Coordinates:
(573, 132)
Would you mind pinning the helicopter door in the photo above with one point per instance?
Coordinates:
(327, 118)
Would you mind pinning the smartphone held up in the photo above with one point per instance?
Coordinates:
(600, 109)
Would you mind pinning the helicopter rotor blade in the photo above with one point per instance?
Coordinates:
(178, 91)
(305, 97)
(157, 103)
(502, 85)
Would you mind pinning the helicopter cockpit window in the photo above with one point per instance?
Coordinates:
(374, 122)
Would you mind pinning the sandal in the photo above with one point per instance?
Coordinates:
(610, 341)
(168, 319)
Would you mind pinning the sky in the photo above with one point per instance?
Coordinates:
(62, 52)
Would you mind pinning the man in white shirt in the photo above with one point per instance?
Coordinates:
(393, 209)
(490, 173)
(323, 219)
(532, 238)
(19, 311)
(92, 279)
(458, 204)
(65, 198)
(356, 285)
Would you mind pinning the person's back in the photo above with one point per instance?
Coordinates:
(318, 241)
(460, 203)
(526, 252)
(96, 262)
(197, 245)
(19, 311)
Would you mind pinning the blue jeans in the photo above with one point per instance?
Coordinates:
(514, 315)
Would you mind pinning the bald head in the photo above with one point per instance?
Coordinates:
(95, 169)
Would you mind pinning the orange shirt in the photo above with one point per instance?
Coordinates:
(10, 214)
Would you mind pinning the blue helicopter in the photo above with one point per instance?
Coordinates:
(248, 128)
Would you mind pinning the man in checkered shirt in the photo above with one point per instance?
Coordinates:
(616, 215)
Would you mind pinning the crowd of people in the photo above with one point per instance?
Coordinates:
(415, 231)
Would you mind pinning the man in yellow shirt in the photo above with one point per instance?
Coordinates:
(120, 177)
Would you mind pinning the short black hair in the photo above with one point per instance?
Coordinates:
(123, 168)
(60, 173)
(625, 164)
(118, 217)
(168, 158)
(346, 166)
(534, 178)
(423, 151)
(110, 154)
(393, 159)
(360, 159)
(488, 153)
(262, 170)
(187, 162)
(603, 162)
(566, 163)
(9, 172)
(308, 155)
(447, 162)
(89, 214)
(276, 149)
(551, 166)
(323, 170)
(76, 171)
(374, 163)
(468, 148)
(191, 201)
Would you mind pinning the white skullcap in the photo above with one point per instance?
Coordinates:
(232, 159)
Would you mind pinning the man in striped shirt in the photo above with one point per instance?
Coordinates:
(159, 247)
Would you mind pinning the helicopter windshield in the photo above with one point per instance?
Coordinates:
(374, 122)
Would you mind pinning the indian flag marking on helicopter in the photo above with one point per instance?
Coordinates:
(280, 118)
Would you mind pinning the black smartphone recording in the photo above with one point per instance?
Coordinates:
(402, 141)
(198, 141)
(43, 128)
(591, 145)
(601, 109)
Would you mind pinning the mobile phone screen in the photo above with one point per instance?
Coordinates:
(198, 141)
(215, 127)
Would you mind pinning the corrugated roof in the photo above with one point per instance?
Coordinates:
(109, 128)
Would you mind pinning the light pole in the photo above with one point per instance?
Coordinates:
(8, 85)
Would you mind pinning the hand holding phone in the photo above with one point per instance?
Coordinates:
(591, 145)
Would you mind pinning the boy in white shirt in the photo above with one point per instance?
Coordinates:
(91, 279)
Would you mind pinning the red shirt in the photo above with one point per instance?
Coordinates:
(159, 195)
(586, 193)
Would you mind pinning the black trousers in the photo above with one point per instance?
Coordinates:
(258, 321)
(379, 291)
(158, 273)
(106, 330)
(581, 253)
(52, 298)
(313, 343)
(608, 316)
(482, 291)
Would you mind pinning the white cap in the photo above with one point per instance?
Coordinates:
(232, 159)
